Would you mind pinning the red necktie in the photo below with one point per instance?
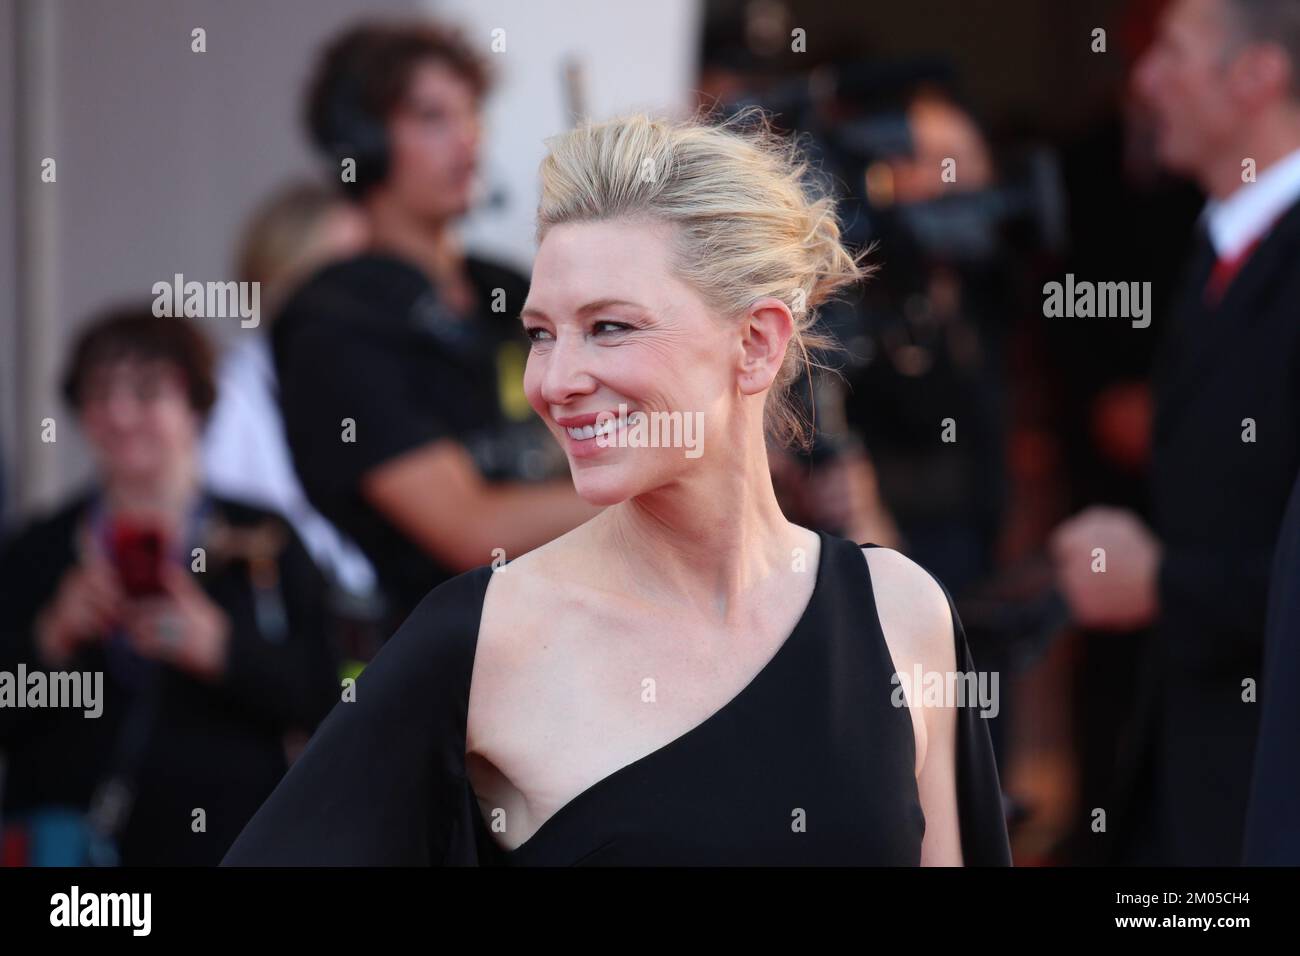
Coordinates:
(1225, 270)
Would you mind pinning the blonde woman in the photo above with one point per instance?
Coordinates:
(688, 678)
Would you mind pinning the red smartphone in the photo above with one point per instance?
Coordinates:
(138, 554)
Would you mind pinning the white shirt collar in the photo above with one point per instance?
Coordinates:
(1237, 221)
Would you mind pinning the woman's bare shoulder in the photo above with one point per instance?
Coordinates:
(534, 580)
(539, 614)
(533, 595)
(917, 624)
(914, 612)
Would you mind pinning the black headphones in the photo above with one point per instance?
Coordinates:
(352, 132)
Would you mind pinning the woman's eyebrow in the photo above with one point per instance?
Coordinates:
(594, 306)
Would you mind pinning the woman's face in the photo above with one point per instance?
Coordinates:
(434, 136)
(136, 415)
(611, 326)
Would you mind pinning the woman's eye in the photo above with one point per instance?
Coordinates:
(539, 334)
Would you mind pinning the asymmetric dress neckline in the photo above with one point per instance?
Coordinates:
(521, 852)
(810, 763)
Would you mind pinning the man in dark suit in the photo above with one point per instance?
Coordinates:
(1273, 820)
(1223, 80)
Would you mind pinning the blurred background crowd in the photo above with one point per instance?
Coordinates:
(372, 167)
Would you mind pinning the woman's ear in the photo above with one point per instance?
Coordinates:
(765, 332)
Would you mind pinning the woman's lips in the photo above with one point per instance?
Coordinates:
(588, 435)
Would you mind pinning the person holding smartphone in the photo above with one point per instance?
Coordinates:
(204, 617)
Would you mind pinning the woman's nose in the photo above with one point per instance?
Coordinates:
(566, 372)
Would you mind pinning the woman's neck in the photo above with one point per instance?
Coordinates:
(709, 540)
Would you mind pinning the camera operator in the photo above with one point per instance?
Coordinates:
(927, 391)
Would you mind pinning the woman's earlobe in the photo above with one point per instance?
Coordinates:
(757, 375)
(768, 329)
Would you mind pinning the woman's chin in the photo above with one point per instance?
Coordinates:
(603, 486)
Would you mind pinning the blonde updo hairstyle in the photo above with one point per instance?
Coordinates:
(750, 222)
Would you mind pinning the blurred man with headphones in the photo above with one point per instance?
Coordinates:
(401, 369)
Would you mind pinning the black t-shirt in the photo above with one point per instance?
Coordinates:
(372, 366)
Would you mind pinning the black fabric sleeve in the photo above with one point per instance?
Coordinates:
(290, 682)
(330, 371)
(1207, 595)
(382, 781)
(982, 816)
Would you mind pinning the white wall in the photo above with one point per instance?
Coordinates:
(633, 56)
(9, 342)
(161, 154)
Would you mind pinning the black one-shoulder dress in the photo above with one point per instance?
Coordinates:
(811, 763)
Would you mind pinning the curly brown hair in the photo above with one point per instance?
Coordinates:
(378, 59)
(134, 332)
